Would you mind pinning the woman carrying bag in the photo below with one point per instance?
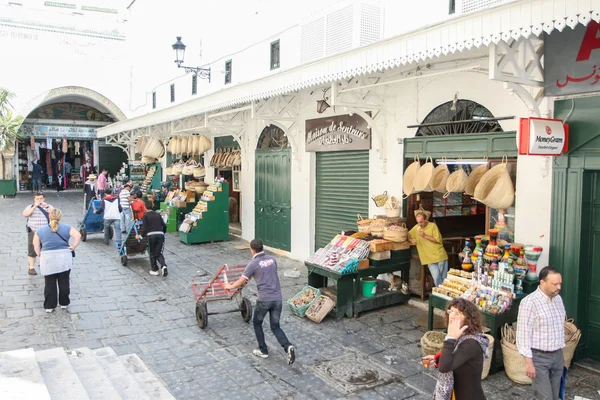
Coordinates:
(461, 360)
(51, 244)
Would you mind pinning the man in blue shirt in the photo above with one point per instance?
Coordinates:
(264, 270)
(36, 176)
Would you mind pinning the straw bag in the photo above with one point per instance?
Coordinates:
(171, 145)
(475, 177)
(364, 225)
(238, 158)
(423, 176)
(457, 182)
(139, 146)
(392, 207)
(183, 145)
(572, 336)
(205, 145)
(488, 361)
(380, 199)
(148, 160)
(188, 169)
(153, 148)
(190, 146)
(178, 167)
(422, 210)
(432, 343)
(169, 170)
(409, 177)
(513, 360)
(199, 171)
(201, 187)
(495, 189)
(439, 177)
(398, 235)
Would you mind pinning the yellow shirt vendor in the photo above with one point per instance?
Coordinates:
(428, 239)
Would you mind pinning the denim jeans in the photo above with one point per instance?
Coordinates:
(126, 219)
(438, 271)
(37, 184)
(274, 310)
(101, 194)
(116, 229)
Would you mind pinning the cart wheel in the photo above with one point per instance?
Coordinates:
(124, 260)
(111, 233)
(83, 233)
(201, 315)
(246, 309)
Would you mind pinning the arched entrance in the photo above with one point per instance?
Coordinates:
(456, 117)
(273, 190)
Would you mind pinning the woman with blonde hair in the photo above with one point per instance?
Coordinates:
(51, 244)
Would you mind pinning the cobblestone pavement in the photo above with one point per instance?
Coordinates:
(118, 306)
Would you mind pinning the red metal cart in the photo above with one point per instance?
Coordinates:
(214, 290)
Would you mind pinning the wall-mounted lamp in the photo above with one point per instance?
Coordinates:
(323, 105)
(179, 48)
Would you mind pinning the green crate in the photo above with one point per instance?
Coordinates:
(301, 311)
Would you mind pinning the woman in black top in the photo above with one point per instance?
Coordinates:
(461, 360)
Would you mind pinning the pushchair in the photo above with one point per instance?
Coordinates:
(92, 223)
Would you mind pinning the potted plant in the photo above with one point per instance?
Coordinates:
(9, 133)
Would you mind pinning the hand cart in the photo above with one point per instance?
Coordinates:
(92, 222)
(131, 246)
(214, 290)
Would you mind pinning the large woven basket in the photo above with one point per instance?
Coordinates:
(408, 179)
(429, 347)
(422, 181)
(495, 189)
(188, 169)
(178, 167)
(190, 146)
(399, 236)
(364, 225)
(475, 177)
(456, 182)
(487, 362)
(205, 145)
(139, 146)
(572, 336)
(514, 365)
(439, 177)
(199, 171)
(171, 145)
(183, 143)
(201, 187)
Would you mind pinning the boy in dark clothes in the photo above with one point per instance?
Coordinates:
(154, 227)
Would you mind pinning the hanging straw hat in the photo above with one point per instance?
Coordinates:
(190, 146)
(409, 177)
(139, 146)
(421, 210)
(456, 182)
(475, 177)
(495, 189)
(153, 148)
(423, 176)
(92, 176)
(171, 145)
(184, 145)
(439, 177)
(205, 145)
(196, 145)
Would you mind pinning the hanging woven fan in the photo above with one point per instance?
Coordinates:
(139, 146)
(190, 146)
(171, 145)
(184, 145)
(213, 159)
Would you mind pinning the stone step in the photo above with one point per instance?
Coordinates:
(121, 378)
(20, 376)
(153, 387)
(95, 381)
(60, 377)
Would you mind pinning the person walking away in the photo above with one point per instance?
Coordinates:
(38, 215)
(126, 216)
(460, 363)
(36, 176)
(90, 190)
(154, 227)
(541, 335)
(102, 183)
(428, 239)
(138, 207)
(264, 270)
(112, 210)
(51, 244)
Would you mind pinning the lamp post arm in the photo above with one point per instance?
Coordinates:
(203, 73)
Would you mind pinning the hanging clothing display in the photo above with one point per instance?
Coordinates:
(37, 147)
(65, 145)
(77, 144)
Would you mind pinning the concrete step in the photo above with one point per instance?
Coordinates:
(95, 381)
(60, 377)
(20, 376)
(121, 378)
(153, 387)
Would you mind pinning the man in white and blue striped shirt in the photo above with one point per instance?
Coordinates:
(126, 216)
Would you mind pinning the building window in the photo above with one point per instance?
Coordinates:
(275, 54)
(172, 92)
(452, 8)
(194, 84)
(153, 100)
(227, 72)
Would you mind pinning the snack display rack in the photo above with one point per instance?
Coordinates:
(209, 220)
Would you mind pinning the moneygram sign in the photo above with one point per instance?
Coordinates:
(543, 137)
(338, 133)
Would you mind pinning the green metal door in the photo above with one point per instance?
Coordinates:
(342, 192)
(273, 198)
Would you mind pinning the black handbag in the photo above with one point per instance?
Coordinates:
(66, 241)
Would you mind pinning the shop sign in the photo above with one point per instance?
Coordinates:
(56, 131)
(543, 137)
(338, 133)
(572, 60)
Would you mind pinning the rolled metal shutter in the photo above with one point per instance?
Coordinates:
(342, 192)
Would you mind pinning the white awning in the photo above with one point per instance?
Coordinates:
(503, 23)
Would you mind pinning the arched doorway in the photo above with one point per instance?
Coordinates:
(273, 191)
(456, 117)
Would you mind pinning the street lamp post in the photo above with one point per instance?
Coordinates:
(179, 48)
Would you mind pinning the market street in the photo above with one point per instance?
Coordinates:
(133, 312)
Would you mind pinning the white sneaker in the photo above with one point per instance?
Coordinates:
(49, 310)
(155, 273)
(165, 272)
(64, 307)
(291, 355)
(259, 353)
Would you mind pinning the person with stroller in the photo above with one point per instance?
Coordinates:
(111, 208)
(154, 228)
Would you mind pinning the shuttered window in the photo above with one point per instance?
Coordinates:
(342, 192)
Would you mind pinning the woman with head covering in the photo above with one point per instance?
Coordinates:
(90, 190)
(51, 244)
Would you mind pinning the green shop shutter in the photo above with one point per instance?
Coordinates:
(342, 192)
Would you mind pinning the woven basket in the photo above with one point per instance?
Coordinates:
(205, 145)
(475, 177)
(188, 169)
(430, 348)
(399, 236)
(439, 177)
(422, 181)
(139, 146)
(364, 225)
(190, 146)
(238, 158)
(380, 199)
(201, 187)
(457, 182)
(408, 179)
(178, 167)
(392, 212)
(514, 366)
(183, 145)
(495, 189)
(171, 145)
(199, 171)
(148, 160)
(572, 336)
(487, 362)
(169, 170)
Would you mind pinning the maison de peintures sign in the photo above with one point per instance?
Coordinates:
(338, 133)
